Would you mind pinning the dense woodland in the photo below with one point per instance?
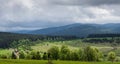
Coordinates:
(7, 38)
(103, 35)
(21, 46)
(102, 38)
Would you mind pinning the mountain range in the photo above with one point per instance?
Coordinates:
(77, 29)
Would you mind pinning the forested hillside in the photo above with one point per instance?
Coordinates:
(79, 30)
(7, 38)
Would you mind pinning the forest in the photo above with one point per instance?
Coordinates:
(93, 48)
(6, 38)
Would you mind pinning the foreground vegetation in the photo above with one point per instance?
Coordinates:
(39, 49)
(89, 50)
(54, 62)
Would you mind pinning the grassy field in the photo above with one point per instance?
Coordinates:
(105, 48)
(54, 62)
(72, 44)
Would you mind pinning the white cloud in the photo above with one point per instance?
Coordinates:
(32, 14)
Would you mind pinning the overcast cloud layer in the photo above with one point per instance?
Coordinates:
(38, 14)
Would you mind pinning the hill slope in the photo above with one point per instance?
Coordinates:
(79, 30)
(6, 38)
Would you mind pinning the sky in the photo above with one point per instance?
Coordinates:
(38, 14)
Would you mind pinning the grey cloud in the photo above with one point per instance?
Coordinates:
(31, 25)
(85, 2)
(35, 14)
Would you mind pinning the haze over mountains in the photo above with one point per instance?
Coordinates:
(77, 29)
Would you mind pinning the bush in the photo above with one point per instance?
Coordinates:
(54, 52)
(38, 55)
(28, 56)
(91, 54)
(22, 55)
(3, 56)
(111, 56)
(74, 56)
(64, 53)
(81, 54)
(35, 55)
(117, 59)
(45, 56)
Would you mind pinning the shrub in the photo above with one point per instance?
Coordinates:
(111, 56)
(65, 53)
(3, 56)
(74, 55)
(54, 52)
(45, 56)
(22, 55)
(91, 54)
(35, 55)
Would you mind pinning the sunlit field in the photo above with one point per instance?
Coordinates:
(54, 62)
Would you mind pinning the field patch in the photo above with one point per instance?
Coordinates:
(54, 62)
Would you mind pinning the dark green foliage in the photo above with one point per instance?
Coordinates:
(111, 56)
(35, 55)
(28, 55)
(80, 54)
(45, 56)
(54, 52)
(103, 35)
(91, 54)
(86, 54)
(23, 44)
(7, 39)
(22, 55)
(65, 53)
(112, 40)
(38, 55)
(74, 56)
(3, 57)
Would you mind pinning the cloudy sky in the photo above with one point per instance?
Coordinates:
(38, 14)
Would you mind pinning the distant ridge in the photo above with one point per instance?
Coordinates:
(79, 30)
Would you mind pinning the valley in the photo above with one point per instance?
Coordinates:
(77, 43)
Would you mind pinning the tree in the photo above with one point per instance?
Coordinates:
(54, 52)
(74, 55)
(35, 55)
(45, 56)
(111, 56)
(38, 55)
(91, 54)
(23, 44)
(22, 55)
(65, 53)
(80, 54)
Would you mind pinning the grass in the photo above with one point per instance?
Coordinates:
(5, 51)
(43, 47)
(105, 48)
(72, 44)
(54, 62)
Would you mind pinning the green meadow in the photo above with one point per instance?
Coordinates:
(54, 62)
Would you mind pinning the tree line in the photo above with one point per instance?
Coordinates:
(7, 38)
(64, 53)
(102, 40)
(103, 35)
